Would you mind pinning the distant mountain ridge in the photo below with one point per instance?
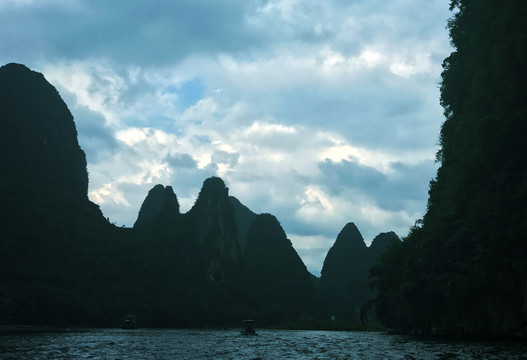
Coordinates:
(63, 263)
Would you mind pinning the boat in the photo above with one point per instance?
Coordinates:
(129, 322)
(248, 328)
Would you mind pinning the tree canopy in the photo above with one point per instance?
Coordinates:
(462, 269)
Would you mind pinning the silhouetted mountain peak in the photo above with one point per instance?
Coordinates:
(350, 238)
(214, 216)
(344, 275)
(381, 242)
(212, 192)
(161, 204)
(39, 138)
(349, 247)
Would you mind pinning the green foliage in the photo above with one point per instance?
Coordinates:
(463, 270)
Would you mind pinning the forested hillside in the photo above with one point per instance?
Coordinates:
(462, 270)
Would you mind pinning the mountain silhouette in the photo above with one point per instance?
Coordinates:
(345, 273)
(63, 263)
(277, 274)
(49, 227)
(160, 205)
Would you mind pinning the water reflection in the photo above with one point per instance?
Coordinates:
(229, 344)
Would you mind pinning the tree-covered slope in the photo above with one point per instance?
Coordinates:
(463, 267)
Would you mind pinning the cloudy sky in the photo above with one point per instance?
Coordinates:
(319, 112)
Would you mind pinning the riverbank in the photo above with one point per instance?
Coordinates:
(328, 325)
(28, 329)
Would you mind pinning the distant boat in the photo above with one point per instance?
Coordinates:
(249, 328)
(129, 322)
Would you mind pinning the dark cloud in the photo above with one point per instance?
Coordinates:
(223, 157)
(367, 111)
(187, 177)
(145, 32)
(346, 174)
(181, 161)
(406, 187)
(95, 137)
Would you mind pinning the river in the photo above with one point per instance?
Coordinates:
(164, 344)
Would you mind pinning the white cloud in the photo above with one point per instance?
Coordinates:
(108, 193)
(321, 113)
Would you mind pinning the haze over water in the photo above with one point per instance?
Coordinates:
(229, 344)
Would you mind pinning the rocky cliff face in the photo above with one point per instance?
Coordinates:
(159, 207)
(244, 218)
(345, 273)
(216, 231)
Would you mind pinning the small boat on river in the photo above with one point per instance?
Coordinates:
(249, 328)
(129, 322)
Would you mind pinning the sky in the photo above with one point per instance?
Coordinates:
(318, 112)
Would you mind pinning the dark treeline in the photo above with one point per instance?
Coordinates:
(462, 270)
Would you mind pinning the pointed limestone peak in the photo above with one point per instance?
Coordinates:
(349, 249)
(161, 204)
(350, 238)
(382, 242)
(213, 215)
(213, 192)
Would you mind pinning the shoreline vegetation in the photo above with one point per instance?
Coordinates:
(330, 325)
(462, 269)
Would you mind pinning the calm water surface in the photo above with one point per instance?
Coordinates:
(229, 344)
